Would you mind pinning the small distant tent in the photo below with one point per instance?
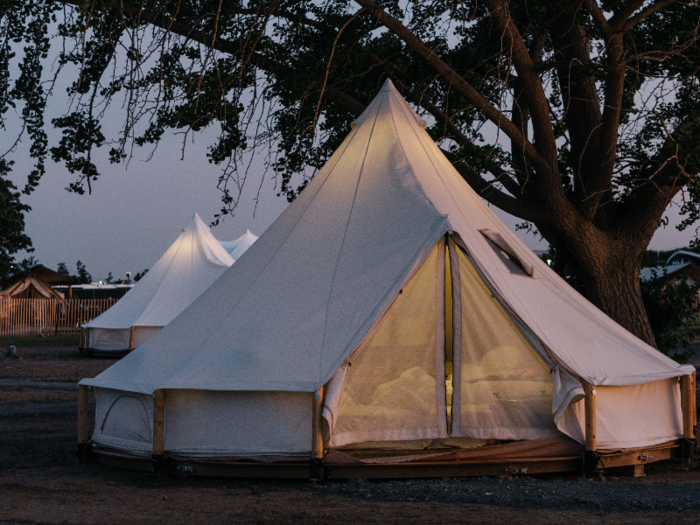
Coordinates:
(39, 283)
(238, 247)
(390, 299)
(191, 264)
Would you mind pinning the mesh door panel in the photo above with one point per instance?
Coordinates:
(503, 389)
(392, 390)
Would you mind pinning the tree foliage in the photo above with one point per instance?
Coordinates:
(62, 269)
(84, 277)
(12, 236)
(672, 306)
(579, 116)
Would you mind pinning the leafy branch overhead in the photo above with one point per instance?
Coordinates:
(578, 116)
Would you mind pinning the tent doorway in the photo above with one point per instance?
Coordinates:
(445, 366)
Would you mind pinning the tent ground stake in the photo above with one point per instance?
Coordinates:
(591, 455)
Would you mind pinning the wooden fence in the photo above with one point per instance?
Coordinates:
(48, 317)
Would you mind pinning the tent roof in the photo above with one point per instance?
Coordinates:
(51, 277)
(32, 281)
(238, 247)
(191, 264)
(290, 312)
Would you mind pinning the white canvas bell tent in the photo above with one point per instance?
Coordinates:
(393, 291)
(238, 247)
(192, 263)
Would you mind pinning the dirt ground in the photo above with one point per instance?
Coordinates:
(41, 481)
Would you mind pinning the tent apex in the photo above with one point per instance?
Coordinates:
(388, 86)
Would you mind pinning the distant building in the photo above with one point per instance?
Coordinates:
(97, 291)
(688, 271)
(682, 257)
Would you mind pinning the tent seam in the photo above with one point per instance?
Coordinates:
(342, 242)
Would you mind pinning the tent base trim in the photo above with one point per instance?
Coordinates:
(92, 352)
(428, 469)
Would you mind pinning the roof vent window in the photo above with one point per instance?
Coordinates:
(507, 254)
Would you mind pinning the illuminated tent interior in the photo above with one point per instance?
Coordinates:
(192, 263)
(238, 247)
(390, 291)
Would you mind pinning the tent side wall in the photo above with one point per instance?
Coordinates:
(119, 340)
(124, 420)
(211, 423)
(630, 416)
(202, 423)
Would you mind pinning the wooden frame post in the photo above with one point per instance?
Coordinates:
(131, 339)
(86, 341)
(695, 403)
(689, 403)
(158, 429)
(317, 434)
(83, 430)
(590, 456)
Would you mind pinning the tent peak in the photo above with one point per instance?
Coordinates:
(388, 86)
(196, 223)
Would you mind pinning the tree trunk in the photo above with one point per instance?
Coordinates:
(615, 289)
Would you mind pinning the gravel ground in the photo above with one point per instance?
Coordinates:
(41, 482)
(612, 495)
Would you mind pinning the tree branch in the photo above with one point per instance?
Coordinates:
(509, 204)
(598, 18)
(532, 89)
(623, 26)
(452, 77)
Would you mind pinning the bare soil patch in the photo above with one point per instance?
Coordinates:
(41, 481)
(49, 360)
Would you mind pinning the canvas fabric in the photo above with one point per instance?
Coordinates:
(502, 388)
(116, 340)
(32, 286)
(239, 246)
(289, 314)
(393, 389)
(191, 264)
(123, 420)
(207, 424)
(229, 424)
(629, 416)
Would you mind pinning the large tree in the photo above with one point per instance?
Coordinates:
(578, 116)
